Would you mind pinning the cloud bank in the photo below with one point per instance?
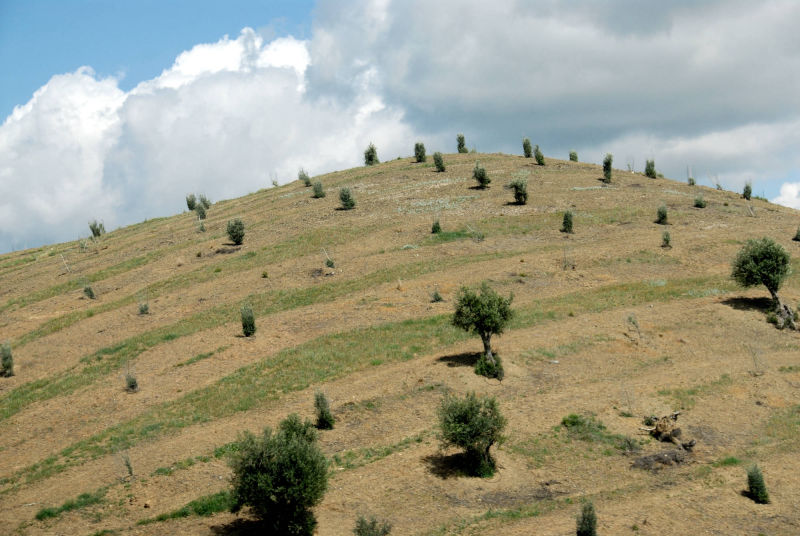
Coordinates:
(711, 86)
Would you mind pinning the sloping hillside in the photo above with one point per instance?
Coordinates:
(608, 325)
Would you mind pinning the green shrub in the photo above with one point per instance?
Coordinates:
(438, 161)
(537, 154)
(248, 321)
(81, 501)
(490, 369)
(756, 488)
(346, 198)
(191, 201)
(419, 152)
(573, 156)
(483, 314)
(462, 146)
(303, 176)
(436, 297)
(661, 215)
(520, 187)
(280, 476)
(131, 383)
(479, 174)
(6, 361)
(325, 418)
(319, 193)
(761, 262)
(89, 292)
(97, 229)
(329, 263)
(436, 228)
(587, 521)
(236, 231)
(691, 181)
(203, 200)
(371, 156)
(371, 527)
(566, 223)
(474, 424)
(748, 191)
(666, 240)
(699, 202)
(650, 169)
(526, 148)
(144, 308)
(607, 162)
(200, 209)
(797, 235)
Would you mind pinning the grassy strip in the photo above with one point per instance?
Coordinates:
(200, 357)
(300, 245)
(81, 501)
(204, 506)
(106, 360)
(684, 399)
(75, 284)
(354, 458)
(333, 356)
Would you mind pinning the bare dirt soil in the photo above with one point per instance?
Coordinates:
(609, 325)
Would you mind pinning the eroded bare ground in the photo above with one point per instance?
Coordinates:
(704, 349)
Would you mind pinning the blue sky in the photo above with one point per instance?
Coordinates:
(40, 38)
(123, 107)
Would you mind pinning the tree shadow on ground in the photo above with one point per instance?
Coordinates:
(466, 359)
(447, 466)
(241, 527)
(750, 304)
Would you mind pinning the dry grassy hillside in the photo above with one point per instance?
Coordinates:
(608, 325)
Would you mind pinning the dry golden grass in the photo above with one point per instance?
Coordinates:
(608, 324)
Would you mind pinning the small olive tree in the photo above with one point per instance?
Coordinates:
(520, 188)
(587, 521)
(438, 161)
(235, 231)
(763, 262)
(346, 198)
(526, 148)
(280, 476)
(537, 154)
(747, 193)
(480, 175)
(462, 145)
(474, 424)
(97, 229)
(485, 314)
(650, 169)
(191, 201)
(756, 488)
(6, 361)
(573, 156)
(607, 163)
(371, 156)
(419, 152)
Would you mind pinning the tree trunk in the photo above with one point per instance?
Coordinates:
(783, 311)
(487, 348)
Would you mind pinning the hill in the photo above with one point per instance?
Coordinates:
(609, 326)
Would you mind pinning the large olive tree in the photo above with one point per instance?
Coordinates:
(485, 313)
(763, 262)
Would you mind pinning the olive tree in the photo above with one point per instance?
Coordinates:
(280, 476)
(485, 314)
(763, 262)
(474, 424)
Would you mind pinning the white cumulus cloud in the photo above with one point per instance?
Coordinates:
(225, 119)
